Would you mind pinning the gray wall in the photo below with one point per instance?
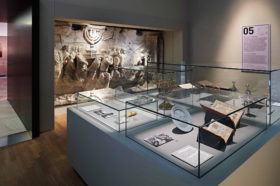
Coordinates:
(164, 14)
(215, 38)
(46, 65)
(215, 29)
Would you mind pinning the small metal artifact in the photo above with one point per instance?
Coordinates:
(166, 86)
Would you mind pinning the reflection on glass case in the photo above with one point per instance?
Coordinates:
(149, 78)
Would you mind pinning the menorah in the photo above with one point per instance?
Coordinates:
(165, 86)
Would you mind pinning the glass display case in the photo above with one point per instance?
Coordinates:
(248, 82)
(175, 72)
(244, 81)
(107, 106)
(193, 116)
(203, 127)
(274, 96)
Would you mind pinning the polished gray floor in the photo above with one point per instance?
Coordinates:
(12, 130)
(9, 121)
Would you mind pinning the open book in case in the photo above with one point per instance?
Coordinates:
(197, 134)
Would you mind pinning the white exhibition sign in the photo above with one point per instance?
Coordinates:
(256, 47)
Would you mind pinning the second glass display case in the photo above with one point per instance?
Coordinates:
(109, 107)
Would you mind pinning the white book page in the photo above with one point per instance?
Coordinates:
(189, 155)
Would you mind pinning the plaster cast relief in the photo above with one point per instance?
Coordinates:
(92, 70)
(81, 69)
(89, 57)
(93, 34)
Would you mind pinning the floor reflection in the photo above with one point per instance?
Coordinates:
(12, 129)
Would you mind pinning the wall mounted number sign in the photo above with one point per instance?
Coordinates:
(256, 47)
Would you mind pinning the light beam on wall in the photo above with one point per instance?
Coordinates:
(244, 13)
(25, 18)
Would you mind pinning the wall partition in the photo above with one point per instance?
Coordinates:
(20, 110)
(3, 61)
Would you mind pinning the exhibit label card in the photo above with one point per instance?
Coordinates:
(159, 139)
(256, 47)
(189, 154)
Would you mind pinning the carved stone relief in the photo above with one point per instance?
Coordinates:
(89, 57)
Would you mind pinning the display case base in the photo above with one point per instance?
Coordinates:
(103, 156)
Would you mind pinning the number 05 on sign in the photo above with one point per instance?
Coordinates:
(256, 47)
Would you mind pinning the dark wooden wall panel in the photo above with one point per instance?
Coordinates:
(20, 59)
